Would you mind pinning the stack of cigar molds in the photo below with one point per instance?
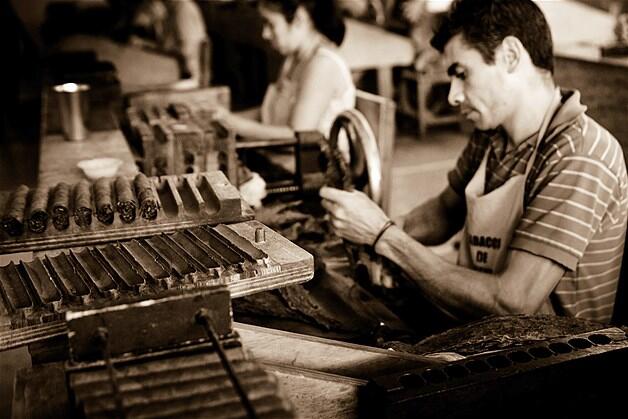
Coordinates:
(195, 233)
(175, 132)
(177, 202)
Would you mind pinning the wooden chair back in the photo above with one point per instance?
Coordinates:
(380, 114)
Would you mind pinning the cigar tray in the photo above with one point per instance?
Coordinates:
(205, 198)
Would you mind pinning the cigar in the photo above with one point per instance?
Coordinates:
(104, 207)
(337, 173)
(125, 201)
(13, 217)
(82, 204)
(146, 197)
(38, 214)
(60, 206)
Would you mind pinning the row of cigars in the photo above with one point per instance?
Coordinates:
(65, 215)
(33, 208)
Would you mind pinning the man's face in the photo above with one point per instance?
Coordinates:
(479, 89)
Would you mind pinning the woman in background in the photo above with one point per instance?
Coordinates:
(314, 84)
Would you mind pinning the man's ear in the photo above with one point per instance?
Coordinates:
(511, 53)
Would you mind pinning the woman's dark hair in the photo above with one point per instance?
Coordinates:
(485, 23)
(325, 15)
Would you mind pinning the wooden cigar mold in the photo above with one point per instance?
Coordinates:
(176, 353)
(183, 201)
(43, 289)
(176, 132)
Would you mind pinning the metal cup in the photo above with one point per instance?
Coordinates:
(72, 100)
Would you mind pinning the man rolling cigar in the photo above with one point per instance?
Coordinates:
(540, 190)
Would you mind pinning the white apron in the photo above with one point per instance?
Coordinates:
(492, 218)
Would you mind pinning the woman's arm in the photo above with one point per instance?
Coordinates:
(248, 126)
(253, 114)
(254, 130)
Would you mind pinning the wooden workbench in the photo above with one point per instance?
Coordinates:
(322, 378)
(58, 157)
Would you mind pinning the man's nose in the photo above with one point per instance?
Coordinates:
(456, 94)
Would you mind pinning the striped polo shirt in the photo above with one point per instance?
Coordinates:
(575, 203)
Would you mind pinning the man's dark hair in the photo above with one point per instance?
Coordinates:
(485, 23)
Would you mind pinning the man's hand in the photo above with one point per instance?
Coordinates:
(353, 215)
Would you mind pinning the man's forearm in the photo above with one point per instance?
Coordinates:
(524, 287)
(445, 284)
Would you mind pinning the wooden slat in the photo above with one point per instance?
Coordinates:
(324, 355)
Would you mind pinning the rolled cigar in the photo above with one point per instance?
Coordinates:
(38, 214)
(60, 206)
(146, 197)
(125, 201)
(102, 196)
(13, 217)
(82, 204)
(337, 173)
